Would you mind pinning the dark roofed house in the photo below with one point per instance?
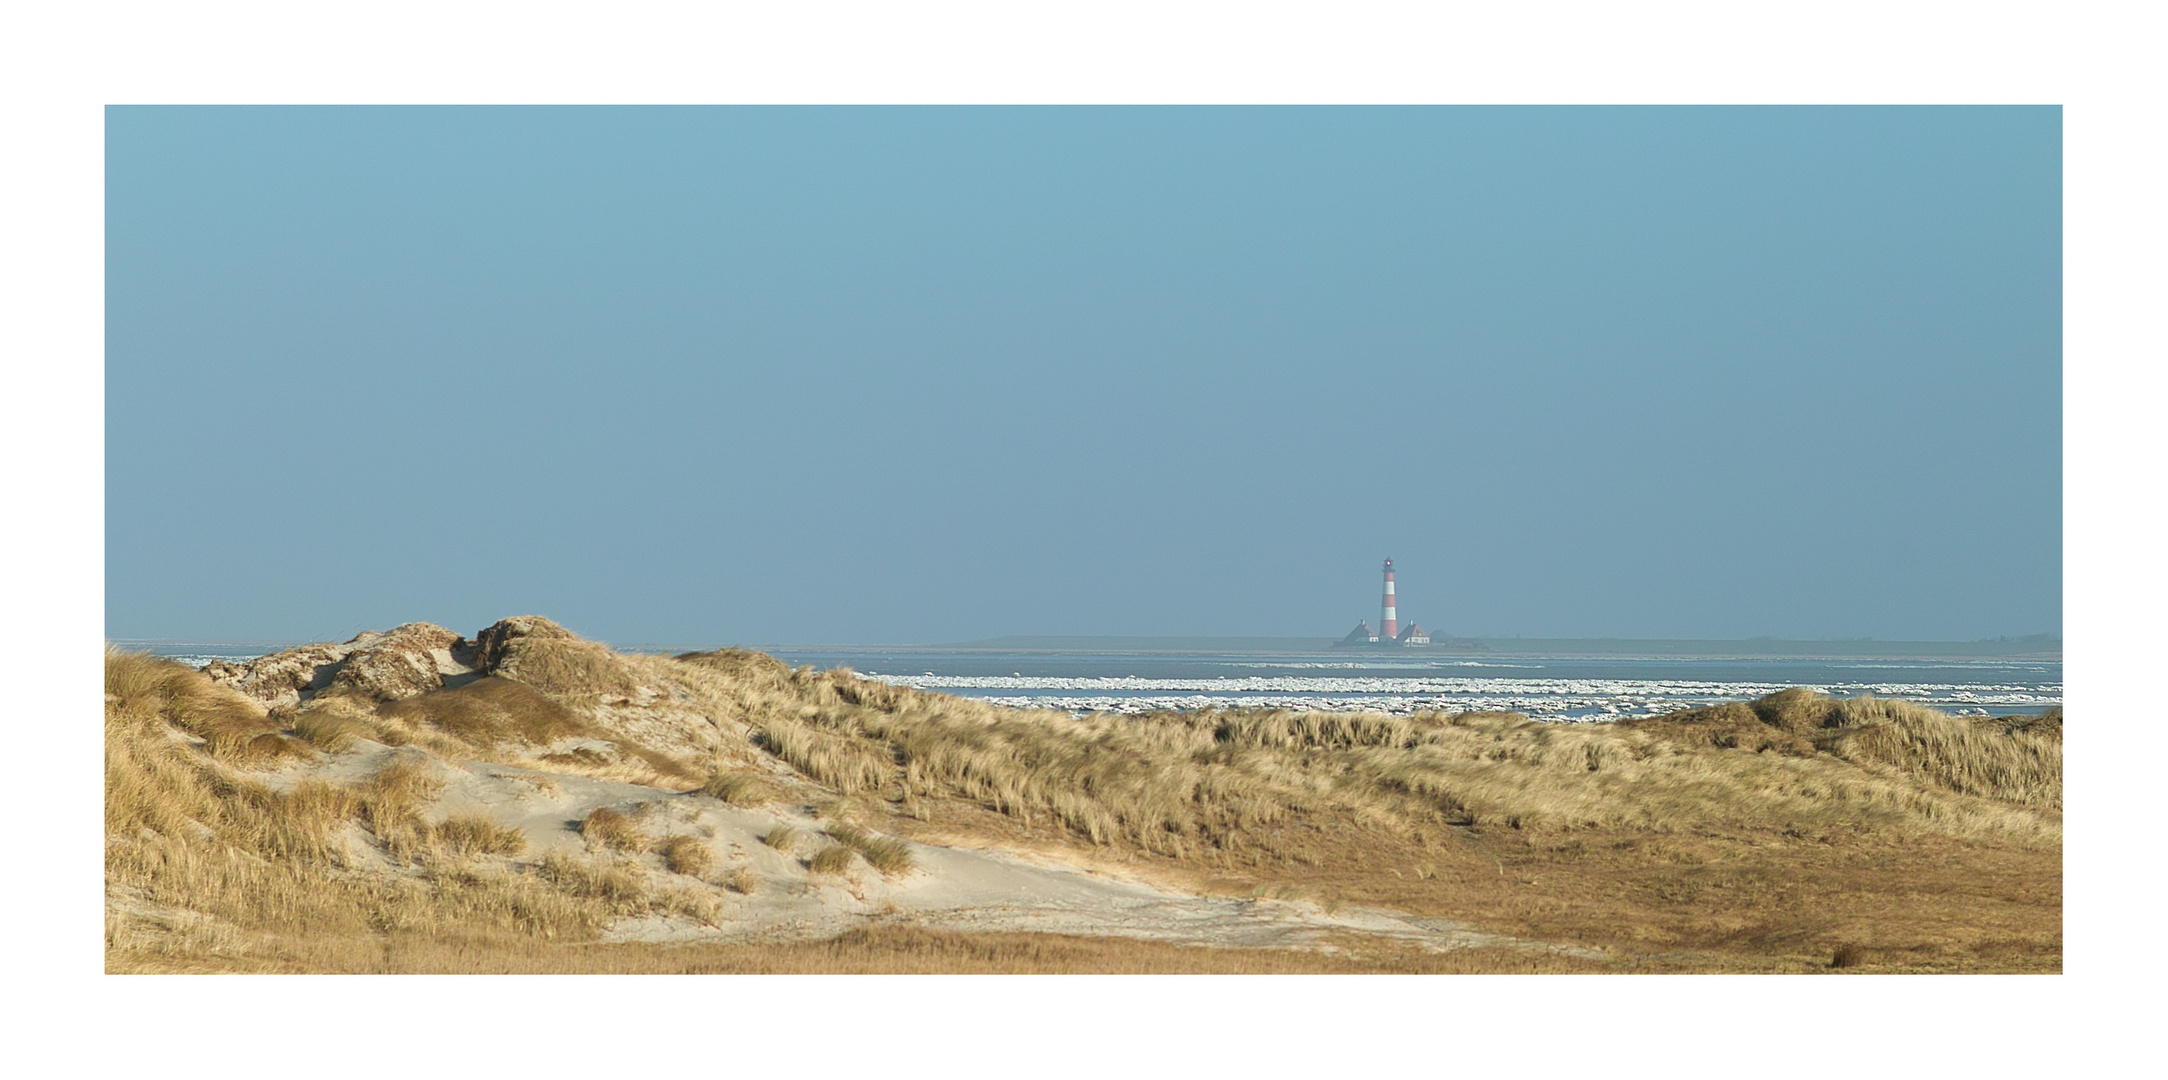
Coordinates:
(1361, 635)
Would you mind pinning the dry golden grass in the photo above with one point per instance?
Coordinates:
(309, 822)
(163, 787)
(1739, 855)
(845, 764)
(209, 868)
(1182, 785)
(886, 854)
(2018, 761)
(566, 668)
(478, 834)
(847, 809)
(1788, 834)
(740, 789)
(332, 730)
(612, 829)
(872, 950)
(230, 726)
(624, 887)
(210, 864)
(741, 666)
(1985, 757)
(741, 879)
(782, 838)
(392, 801)
(489, 712)
(688, 855)
(620, 882)
(833, 859)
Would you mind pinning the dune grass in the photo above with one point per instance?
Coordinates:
(1787, 833)
(838, 761)
(554, 662)
(1186, 783)
(209, 864)
(739, 788)
(1757, 836)
(741, 879)
(688, 855)
(477, 834)
(229, 726)
(870, 950)
(332, 730)
(2018, 761)
(832, 859)
(885, 853)
(489, 712)
(1989, 758)
(617, 881)
(613, 830)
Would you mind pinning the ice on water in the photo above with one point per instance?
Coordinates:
(1546, 689)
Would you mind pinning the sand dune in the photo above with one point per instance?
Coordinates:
(951, 888)
(415, 800)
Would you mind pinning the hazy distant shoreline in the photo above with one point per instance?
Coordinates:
(2042, 647)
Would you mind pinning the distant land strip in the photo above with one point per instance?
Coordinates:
(2044, 647)
(2037, 646)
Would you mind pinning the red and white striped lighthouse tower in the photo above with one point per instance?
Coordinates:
(1391, 619)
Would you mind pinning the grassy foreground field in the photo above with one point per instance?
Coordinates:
(528, 802)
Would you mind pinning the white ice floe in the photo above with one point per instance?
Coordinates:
(1550, 699)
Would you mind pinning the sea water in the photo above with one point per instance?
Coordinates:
(1546, 688)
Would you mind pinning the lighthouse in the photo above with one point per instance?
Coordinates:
(1391, 618)
(1389, 631)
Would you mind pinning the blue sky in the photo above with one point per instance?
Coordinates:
(927, 374)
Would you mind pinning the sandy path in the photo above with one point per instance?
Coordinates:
(948, 888)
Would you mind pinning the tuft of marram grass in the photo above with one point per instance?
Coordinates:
(885, 853)
(392, 801)
(833, 859)
(846, 764)
(782, 838)
(565, 666)
(612, 829)
(844, 808)
(739, 788)
(489, 712)
(888, 854)
(688, 855)
(619, 883)
(230, 725)
(477, 834)
(331, 729)
(2018, 761)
